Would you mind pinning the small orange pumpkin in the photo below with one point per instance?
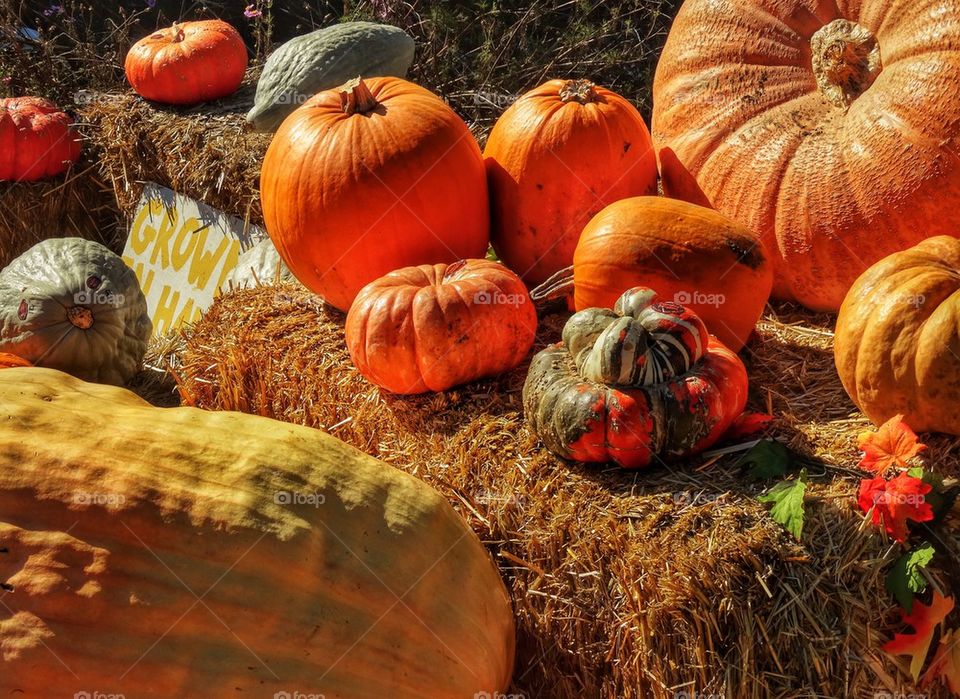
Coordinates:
(370, 177)
(11, 361)
(36, 139)
(432, 327)
(556, 157)
(188, 63)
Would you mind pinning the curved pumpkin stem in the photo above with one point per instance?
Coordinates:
(356, 97)
(846, 60)
(677, 181)
(556, 287)
(578, 91)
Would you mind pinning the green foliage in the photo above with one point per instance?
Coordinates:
(787, 498)
(906, 578)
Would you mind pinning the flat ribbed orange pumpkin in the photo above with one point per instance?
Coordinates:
(558, 155)
(373, 176)
(432, 327)
(829, 128)
(897, 343)
(686, 253)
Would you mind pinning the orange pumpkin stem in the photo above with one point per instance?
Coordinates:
(81, 317)
(846, 60)
(356, 98)
(581, 91)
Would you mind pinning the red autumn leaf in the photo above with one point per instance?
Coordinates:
(924, 621)
(747, 425)
(946, 663)
(896, 501)
(894, 444)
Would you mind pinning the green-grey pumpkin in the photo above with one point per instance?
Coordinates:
(73, 305)
(259, 265)
(324, 59)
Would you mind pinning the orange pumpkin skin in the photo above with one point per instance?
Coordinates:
(837, 163)
(897, 343)
(432, 327)
(188, 63)
(36, 139)
(686, 253)
(371, 177)
(10, 361)
(556, 157)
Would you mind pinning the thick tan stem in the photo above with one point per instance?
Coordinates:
(356, 98)
(846, 61)
(578, 91)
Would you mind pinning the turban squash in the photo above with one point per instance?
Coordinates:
(72, 304)
(36, 139)
(897, 341)
(188, 63)
(373, 176)
(831, 129)
(320, 569)
(556, 157)
(639, 382)
(432, 327)
(686, 253)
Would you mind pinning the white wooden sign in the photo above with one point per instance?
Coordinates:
(182, 251)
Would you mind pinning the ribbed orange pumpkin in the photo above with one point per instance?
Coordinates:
(36, 140)
(558, 155)
(9, 361)
(370, 177)
(897, 342)
(432, 327)
(686, 253)
(828, 128)
(188, 63)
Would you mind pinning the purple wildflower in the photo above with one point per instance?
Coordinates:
(251, 12)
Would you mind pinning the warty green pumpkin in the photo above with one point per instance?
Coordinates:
(324, 59)
(161, 553)
(73, 305)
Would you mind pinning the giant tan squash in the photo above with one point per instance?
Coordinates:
(180, 553)
(829, 128)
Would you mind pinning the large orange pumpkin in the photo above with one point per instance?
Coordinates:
(829, 128)
(188, 63)
(897, 343)
(370, 177)
(432, 327)
(36, 139)
(558, 155)
(686, 253)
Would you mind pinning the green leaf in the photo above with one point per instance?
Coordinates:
(905, 579)
(941, 498)
(787, 499)
(767, 459)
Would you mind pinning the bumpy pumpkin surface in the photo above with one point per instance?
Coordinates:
(829, 128)
(641, 382)
(897, 342)
(161, 553)
(36, 139)
(261, 264)
(432, 327)
(73, 305)
(684, 252)
(376, 175)
(557, 156)
(324, 59)
(188, 63)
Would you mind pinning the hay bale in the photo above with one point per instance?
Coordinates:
(625, 584)
(77, 203)
(205, 152)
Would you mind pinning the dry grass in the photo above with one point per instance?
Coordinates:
(77, 203)
(625, 584)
